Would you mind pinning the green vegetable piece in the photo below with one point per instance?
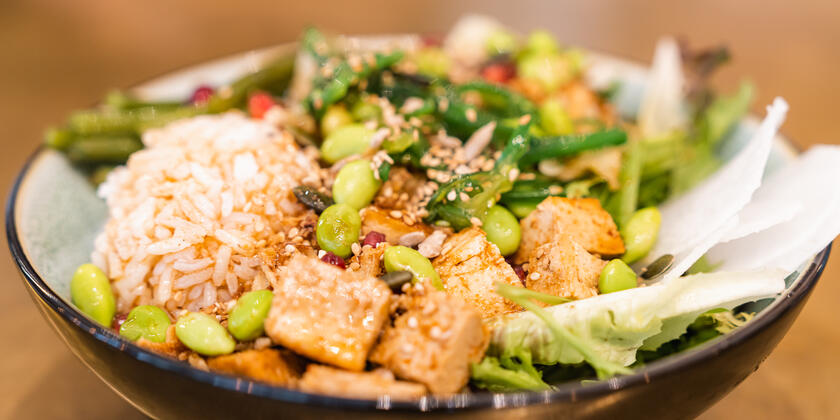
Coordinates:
(549, 70)
(502, 229)
(312, 198)
(541, 41)
(146, 321)
(338, 229)
(246, 318)
(102, 150)
(100, 174)
(554, 119)
(204, 335)
(402, 258)
(336, 117)
(615, 277)
(90, 291)
(501, 41)
(356, 184)
(639, 233)
(346, 141)
(571, 144)
(492, 376)
(521, 209)
(58, 138)
(398, 144)
(432, 61)
(365, 111)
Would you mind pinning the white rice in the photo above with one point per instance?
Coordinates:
(189, 213)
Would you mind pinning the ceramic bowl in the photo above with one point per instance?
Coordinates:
(53, 215)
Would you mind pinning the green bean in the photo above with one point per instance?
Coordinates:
(344, 76)
(629, 179)
(502, 229)
(554, 119)
(247, 317)
(203, 334)
(146, 321)
(338, 229)
(532, 189)
(100, 174)
(499, 99)
(124, 101)
(93, 122)
(356, 184)
(90, 291)
(273, 78)
(403, 258)
(334, 118)
(640, 233)
(616, 276)
(103, 150)
(346, 141)
(563, 146)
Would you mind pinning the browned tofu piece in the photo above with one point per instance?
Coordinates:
(369, 261)
(582, 219)
(469, 266)
(321, 379)
(563, 268)
(170, 347)
(273, 366)
(433, 341)
(375, 219)
(326, 313)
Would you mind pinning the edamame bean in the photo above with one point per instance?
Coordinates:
(355, 184)
(403, 258)
(432, 61)
(90, 291)
(334, 118)
(616, 276)
(146, 321)
(502, 229)
(501, 41)
(203, 334)
(521, 209)
(640, 233)
(248, 315)
(541, 41)
(554, 119)
(338, 229)
(549, 70)
(345, 141)
(365, 111)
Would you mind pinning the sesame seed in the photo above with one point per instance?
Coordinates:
(471, 115)
(321, 253)
(451, 195)
(535, 276)
(290, 248)
(475, 221)
(396, 214)
(412, 322)
(356, 248)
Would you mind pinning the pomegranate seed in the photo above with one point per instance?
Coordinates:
(259, 103)
(373, 238)
(118, 321)
(333, 259)
(498, 72)
(201, 95)
(431, 40)
(517, 268)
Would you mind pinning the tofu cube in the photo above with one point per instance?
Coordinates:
(268, 365)
(582, 219)
(469, 267)
(563, 268)
(325, 313)
(433, 341)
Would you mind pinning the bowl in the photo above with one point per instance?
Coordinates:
(53, 215)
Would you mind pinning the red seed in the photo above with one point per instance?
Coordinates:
(498, 72)
(259, 103)
(201, 95)
(373, 238)
(333, 259)
(431, 40)
(118, 321)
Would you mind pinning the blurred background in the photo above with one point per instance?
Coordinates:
(59, 55)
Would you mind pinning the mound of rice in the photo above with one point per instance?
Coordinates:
(189, 214)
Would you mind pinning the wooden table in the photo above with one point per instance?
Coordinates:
(58, 56)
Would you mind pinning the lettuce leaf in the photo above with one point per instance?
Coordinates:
(611, 328)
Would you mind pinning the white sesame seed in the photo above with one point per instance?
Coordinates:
(356, 248)
(475, 221)
(321, 253)
(535, 276)
(451, 195)
(412, 322)
(290, 248)
(464, 196)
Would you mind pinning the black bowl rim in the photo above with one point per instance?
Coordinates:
(569, 392)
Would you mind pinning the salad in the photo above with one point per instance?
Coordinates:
(412, 216)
